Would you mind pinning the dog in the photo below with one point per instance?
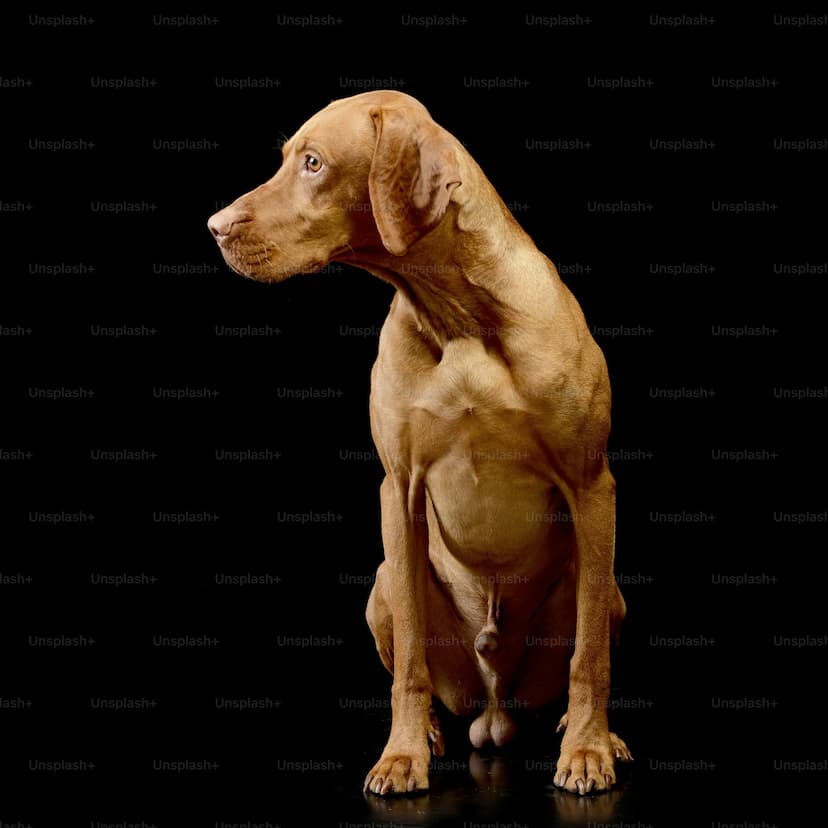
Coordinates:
(490, 411)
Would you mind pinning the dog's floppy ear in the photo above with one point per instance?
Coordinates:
(413, 174)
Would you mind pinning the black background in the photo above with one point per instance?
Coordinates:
(660, 270)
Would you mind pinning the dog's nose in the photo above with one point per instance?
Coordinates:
(219, 225)
(223, 223)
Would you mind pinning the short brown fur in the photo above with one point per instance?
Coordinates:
(490, 410)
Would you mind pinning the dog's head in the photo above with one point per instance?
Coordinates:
(373, 171)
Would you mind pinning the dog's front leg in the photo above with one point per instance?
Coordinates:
(403, 766)
(586, 761)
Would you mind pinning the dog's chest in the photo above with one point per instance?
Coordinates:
(468, 382)
(485, 466)
(477, 438)
(465, 403)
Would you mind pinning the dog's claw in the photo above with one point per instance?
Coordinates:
(438, 746)
(560, 779)
(579, 784)
(608, 780)
(412, 783)
(435, 735)
(619, 748)
(590, 784)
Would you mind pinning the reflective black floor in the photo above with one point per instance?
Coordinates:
(218, 780)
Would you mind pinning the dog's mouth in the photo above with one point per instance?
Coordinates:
(266, 261)
(259, 264)
(251, 260)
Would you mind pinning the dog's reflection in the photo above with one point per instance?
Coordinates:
(572, 809)
(484, 783)
(490, 772)
(418, 809)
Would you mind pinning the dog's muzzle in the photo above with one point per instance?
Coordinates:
(225, 225)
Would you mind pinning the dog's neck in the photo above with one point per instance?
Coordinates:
(445, 302)
(459, 278)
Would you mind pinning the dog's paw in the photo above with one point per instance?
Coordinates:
(583, 769)
(398, 773)
(619, 746)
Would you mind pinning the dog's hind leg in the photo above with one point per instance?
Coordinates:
(454, 675)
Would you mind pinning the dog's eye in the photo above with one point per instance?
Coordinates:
(312, 163)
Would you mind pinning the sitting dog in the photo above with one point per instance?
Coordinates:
(490, 410)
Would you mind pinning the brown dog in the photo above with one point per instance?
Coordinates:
(490, 410)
